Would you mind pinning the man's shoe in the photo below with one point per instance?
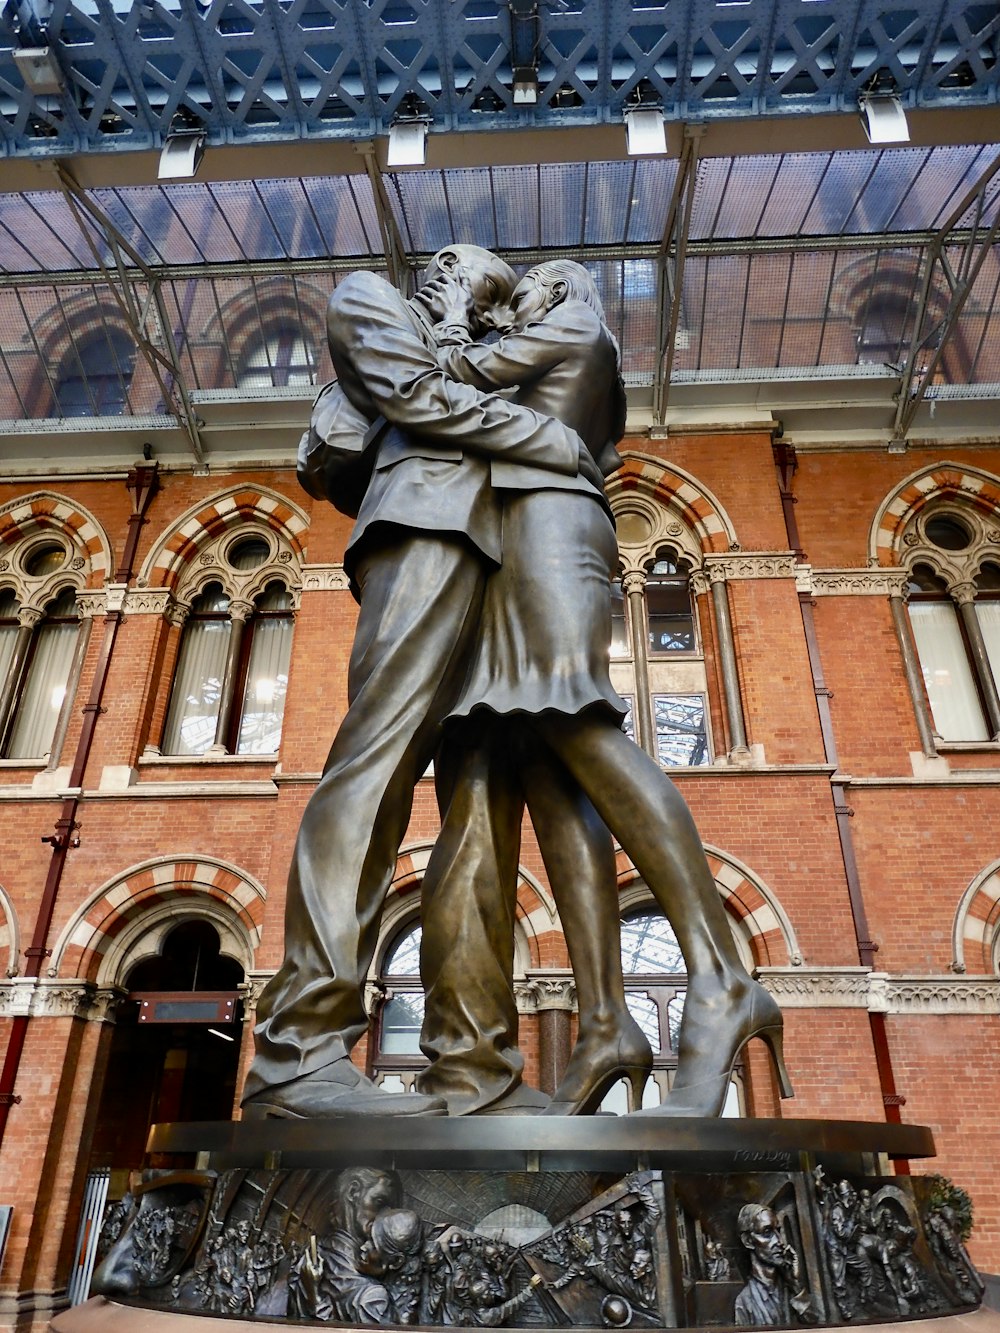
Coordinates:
(341, 1091)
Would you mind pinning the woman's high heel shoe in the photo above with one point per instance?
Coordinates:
(597, 1064)
(704, 1072)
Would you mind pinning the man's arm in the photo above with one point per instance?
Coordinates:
(372, 342)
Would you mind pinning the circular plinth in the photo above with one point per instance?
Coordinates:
(534, 1143)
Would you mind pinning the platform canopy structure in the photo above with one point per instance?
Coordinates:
(184, 168)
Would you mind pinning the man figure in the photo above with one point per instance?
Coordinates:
(773, 1291)
(428, 531)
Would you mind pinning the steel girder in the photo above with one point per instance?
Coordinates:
(257, 71)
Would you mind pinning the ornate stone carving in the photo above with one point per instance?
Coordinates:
(858, 988)
(91, 603)
(751, 565)
(545, 990)
(809, 988)
(859, 582)
(55, 997)
(324, 578)
(633, 581)
(148, 601)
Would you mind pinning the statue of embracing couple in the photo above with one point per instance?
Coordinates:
(481, 558)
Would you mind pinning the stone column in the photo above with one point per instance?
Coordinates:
(964, 594)
(634, 586)
(28, 618)
(727, 659)
(239, 614)
(552, 996)
(914, 677)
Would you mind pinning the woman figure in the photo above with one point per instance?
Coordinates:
(538, 691)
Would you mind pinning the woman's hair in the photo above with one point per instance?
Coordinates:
(580, 285)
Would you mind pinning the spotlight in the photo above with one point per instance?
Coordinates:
(883, 117)
(525, 85)
(181, 154)
(407, 143)
(39, 69)
(644, 131)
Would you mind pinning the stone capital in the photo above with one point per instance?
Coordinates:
(964, 592)
(58, 997)
(551, 989)
(324, 578)
(633, 581)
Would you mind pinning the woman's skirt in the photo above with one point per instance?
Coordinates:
(545, 636)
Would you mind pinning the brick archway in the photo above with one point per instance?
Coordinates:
(759, 916)
(128, 916)
(901, 506)
(46, 511)
(179, 547)
(977, 924)
(10, 937)
(671, 489)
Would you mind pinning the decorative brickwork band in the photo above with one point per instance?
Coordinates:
(127, 918)
(901, 507)
(974, 934)
(667, 507)
(203, 523)
(46, 512)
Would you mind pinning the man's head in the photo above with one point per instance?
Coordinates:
(761, 1234)
(548, 285)
(846, 1193)
(486, 282)
(362, 1193)
(641, 1265)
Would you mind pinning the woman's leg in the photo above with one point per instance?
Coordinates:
(724, 1007)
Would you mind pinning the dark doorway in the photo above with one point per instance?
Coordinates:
(162, 1071)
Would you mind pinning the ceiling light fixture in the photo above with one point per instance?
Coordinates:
(645, 131)
(525, 85)
(408, 135)
(39, 69)
(883, 117)
(181, 154)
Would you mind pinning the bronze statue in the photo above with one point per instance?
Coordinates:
(481, 558)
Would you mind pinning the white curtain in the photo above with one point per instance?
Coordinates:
(194, 703)
(948, 676)
(267, 682)
(44, 691)
(989, 623)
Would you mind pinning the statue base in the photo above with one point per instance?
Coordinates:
(531, 1222)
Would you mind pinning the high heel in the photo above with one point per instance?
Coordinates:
(596, 1065)
(705, 1069)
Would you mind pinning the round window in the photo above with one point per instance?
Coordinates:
(947, 532)
(248, 553)
(44, 559)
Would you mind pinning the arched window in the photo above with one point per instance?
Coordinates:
(654, 625)
(232, 671)
(36, 658)
(95, 376)
(954, 608)
(283, 358)
(397, 1055)
(655, 986)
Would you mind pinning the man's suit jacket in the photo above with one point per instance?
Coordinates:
(431, 468)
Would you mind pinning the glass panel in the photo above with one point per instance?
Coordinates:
(263, 705)
(402, 1018)
(668, 616)
(95, 378)
(989, 623)
(44, 691)
(8, 630)
(948, 678)
(647, 1015)
(197, 693)
(650, 946)
(675, 1012)
(283, 359)
(681, 734)
(628, 721)
(619, 627)
(403, 959)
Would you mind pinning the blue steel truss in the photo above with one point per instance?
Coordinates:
(271, 70)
